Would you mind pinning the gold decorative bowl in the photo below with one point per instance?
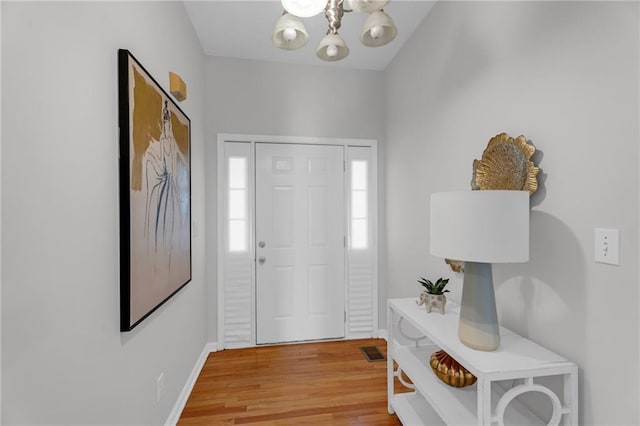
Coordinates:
(450, 371)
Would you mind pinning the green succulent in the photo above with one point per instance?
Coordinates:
(434, 288)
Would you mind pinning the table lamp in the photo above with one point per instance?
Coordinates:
(480, 228)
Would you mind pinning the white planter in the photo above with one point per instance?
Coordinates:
(432, 301)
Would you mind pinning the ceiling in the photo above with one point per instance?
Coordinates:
(242, 29)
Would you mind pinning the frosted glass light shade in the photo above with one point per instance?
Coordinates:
(481, 226)
(304, 8)
(374, 22)
(332, 42)
(288, 21)
(367, 6)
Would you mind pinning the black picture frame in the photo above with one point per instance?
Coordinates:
(155, 193)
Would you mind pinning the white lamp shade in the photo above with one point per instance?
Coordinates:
(378, 30)
(304, 8)
(292, 23)
(367, 6)
(481, 226)
(332, 48)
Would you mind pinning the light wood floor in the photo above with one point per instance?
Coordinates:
(328, 383)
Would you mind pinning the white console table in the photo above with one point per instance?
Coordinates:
(489, 401)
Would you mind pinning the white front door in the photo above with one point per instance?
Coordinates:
(300, 242)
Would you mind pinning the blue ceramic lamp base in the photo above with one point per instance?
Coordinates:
(478, 327)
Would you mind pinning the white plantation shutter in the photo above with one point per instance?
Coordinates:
(361, 294)
(237, 305)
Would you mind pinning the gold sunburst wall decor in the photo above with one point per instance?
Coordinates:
(506, 164)
(455, 265)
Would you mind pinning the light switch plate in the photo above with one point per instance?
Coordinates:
(606, 246)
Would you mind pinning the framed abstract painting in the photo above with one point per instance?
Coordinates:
(155, 193)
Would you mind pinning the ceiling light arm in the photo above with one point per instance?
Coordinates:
(334, 13)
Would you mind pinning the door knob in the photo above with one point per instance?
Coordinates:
(261, 244)
(262, 259)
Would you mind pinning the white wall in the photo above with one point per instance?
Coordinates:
(264, 98)
(64, 360)
(564, 74)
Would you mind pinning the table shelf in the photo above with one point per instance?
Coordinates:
(485, 402)
(411, 410)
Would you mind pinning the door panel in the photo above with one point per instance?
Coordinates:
(299, 242)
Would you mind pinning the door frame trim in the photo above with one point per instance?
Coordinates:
(221, 180)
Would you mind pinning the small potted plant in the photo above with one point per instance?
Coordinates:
(433, 295)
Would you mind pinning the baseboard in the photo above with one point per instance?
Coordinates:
(174, 415)
(382, 334)
(211, 347)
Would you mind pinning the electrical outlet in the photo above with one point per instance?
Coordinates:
(606, 247)
(159, 387)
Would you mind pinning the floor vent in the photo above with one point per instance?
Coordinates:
(372, 353)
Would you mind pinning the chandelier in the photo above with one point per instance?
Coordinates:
(290, 32)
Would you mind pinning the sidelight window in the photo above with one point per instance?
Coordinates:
(359, 205)
(237, 204)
